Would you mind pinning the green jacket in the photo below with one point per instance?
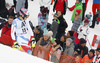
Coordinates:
(77, 6)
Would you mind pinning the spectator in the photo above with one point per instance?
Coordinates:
(60, 5)
(54, 26)
(89, 57)
(62, 26)
(88, 16)
(83, 30)
(77, 21)
(96, 6)
(38, 33)
(94, 18)
(69, 47)
(44, 4)
(56, 50)
(81, 48)
(70, 34)
(97, 56)
(44, 43)
(77, 6)
(6, 32)
(42, 20)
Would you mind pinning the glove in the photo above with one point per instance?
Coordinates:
(31, 40)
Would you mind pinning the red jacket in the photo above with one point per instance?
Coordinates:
(6, 35)
(60, 5)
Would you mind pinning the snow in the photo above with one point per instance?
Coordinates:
(9, 55)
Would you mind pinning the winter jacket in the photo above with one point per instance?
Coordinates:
(45, 3)
(77, 6)
(69, 50)
(42, 22)
(56, 54)
(62, 26)
(38, 36)
(6, 34)
(86, 59)
(44, 43)
(54, 27)
(7, 28)
(96, 59)
(98, 12)
(83, 31)
(60, 5)
(81, 50)
(76, 24)
(20, 4)
(96, 1)
(2, 4)
(42, 52)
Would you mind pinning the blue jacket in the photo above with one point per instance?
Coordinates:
(96, 1)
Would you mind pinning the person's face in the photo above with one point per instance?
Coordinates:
(55, 17)
(82, 45)
(68, 35)
(44, 13)
(62, 39)
(76, 52)
(77, 1)
(54, 43)
(36, 31)
(85, 17)
(46, 38)
(97, 53)
(67, 43)
(10, 20)
(86, 23)
(59, 13)
(91, 54)
(76, 13)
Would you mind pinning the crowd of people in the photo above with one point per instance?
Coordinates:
(51, 36)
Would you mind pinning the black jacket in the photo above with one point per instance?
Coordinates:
(2, 4)
(38, 36)
(79, 49)
(62, 26)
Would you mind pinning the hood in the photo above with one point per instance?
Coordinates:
(72, 45)
(78, 4)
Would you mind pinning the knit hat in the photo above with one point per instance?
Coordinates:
(98, 49)
(55, 15)
(78, 11)
(38, 28)
(71, 33)
(58, 41)
(47, 34)
(69, 39)
(82, 41)
(50, 33)
(92, 50)
(88, 16)
(80, 0)
(86, 20)
(45, 10)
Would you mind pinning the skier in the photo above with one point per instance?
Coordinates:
(20, 28)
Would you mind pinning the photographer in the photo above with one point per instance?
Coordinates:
(6, 31)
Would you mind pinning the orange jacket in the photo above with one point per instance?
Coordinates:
(86, 59)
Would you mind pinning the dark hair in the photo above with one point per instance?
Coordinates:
(65, 37)
(11, 17)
